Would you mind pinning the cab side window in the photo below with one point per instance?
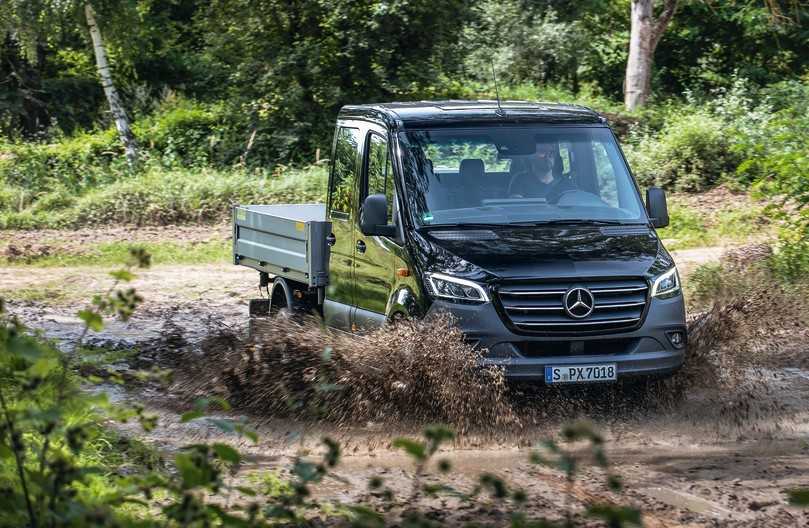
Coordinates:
(605, 174)
(379, 170)
(341, 187)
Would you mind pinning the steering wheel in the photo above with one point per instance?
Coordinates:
(583, 196)
(509, 193)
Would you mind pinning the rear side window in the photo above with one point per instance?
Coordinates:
(379, 170)
(343, 173)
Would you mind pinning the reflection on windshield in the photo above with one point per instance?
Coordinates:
(503, 175)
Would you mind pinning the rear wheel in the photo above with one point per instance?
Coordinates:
(288, 300)
(279, 303)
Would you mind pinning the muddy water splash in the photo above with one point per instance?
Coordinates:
(755, 326)
(413, 372)
(422, 372)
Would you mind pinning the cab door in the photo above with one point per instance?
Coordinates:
(342, 207)
(373, 255)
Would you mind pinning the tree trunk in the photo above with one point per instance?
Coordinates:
(644, 35)
(114, 100)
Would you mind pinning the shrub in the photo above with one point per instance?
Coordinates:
(11, 198)
(690, 153)
(777, 161)
(686, 228)
(181, 133)
(791, 260)
(158, 196)
(77, 163)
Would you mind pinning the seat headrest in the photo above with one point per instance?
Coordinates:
(471, 168)
(558, 165)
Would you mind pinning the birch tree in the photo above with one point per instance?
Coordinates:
(645, 32)
(113, 99)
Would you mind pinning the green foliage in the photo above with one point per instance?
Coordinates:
(11, 198)
(527, 45)
(285, 69)
(51, 443)
(56, 460)
(689, 228)
(291, 66)
(799, 497)
(709, 44)
(180, 132)
(690, 153)
(791, 260)
(421, 452)
(744, 272)
(159, 196)
(777, 161)
(77, 163)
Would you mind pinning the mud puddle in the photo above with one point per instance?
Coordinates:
(716, 446)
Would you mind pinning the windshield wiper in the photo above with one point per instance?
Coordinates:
(538, 223)
(576, 221)
(470, 225)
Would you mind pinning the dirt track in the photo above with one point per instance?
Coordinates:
(697, 463)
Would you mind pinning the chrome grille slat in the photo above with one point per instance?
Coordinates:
(538, 305)
(528, 292)
(618, 305)
(619, 290)
(534, 308)
(574, 322)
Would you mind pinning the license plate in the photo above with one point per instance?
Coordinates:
(581, 373)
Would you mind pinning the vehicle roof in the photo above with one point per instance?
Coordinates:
(462, 112)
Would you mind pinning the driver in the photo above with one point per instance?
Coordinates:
(539, 179)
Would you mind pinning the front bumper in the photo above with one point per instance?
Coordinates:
(645, 351)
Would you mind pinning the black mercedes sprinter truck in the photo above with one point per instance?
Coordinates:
(522, 220)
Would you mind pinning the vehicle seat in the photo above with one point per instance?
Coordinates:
(558, 165)
(471, 174)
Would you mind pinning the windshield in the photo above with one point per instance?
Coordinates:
(513, 175)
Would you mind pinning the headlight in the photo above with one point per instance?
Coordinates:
(454, 288)
(666, 285)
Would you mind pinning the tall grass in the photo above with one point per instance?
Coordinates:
(159, 196)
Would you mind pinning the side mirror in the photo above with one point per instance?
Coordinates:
(374, 217)
(656, 206)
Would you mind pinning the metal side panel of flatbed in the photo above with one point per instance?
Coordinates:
(284, 240)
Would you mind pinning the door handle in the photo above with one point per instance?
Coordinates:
(331, 239)
(360, 246)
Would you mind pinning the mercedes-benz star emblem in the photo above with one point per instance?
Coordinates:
(579, 302)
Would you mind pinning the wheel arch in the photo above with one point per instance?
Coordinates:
(403, 302)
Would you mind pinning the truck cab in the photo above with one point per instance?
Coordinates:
(521, 220)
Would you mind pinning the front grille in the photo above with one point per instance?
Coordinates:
(538, 306)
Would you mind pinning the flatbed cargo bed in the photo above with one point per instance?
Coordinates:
(287, 240)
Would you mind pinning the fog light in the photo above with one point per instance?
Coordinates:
(676, 338)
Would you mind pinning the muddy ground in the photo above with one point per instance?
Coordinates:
(706, 458)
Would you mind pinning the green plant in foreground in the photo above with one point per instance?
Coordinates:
(548, 453)
(57, 469)
(47, 421)
(551, 454)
